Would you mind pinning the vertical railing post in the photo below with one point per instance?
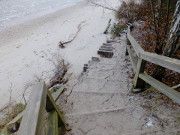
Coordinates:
(139, 83)
(128, 43)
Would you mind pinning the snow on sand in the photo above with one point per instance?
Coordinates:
(26, 50)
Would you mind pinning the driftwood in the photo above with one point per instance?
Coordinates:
(109, 24)
(61, 43)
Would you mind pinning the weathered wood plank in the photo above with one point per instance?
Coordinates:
(168, 91)
(57, 93)
(51, 106)
(52, 123)
(108, 54)
(85, 68)
(132, 58)
(163, 61)
(138, 83)
(16, 119)
(32, 119)
(107, 44)
(55, 96)
(106, 47)
(127, 41)
(111, 41)
(137, 48)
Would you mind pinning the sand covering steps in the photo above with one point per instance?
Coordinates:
(100, 102)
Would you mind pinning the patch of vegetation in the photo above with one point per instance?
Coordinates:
(156, 30)
(12, 113)
(177, 120)
(129, 11)
(117, 29)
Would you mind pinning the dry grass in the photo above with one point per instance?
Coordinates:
(130, 11)
(14, 110)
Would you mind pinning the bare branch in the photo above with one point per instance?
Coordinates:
(109, 8)
(61, 43)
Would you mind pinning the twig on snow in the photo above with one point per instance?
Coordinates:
(61, 43)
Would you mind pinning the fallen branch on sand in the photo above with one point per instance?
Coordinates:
(109, 8)
(61, 43)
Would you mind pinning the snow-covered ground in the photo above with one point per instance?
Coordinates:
(28, 48)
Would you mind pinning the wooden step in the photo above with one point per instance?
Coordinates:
(105, 53)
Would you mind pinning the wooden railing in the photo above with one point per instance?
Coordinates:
(42, 114)
(139, 58)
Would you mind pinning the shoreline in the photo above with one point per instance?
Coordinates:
(29, 21)
(5, 24)
(29, 49)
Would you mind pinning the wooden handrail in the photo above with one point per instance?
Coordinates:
(160, 60)
(55, 94)
(163, 61)
(161, 87)
(31, 121)
(41, 101)
(136, 46)
(139, 66)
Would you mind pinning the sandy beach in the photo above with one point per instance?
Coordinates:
(29, 48)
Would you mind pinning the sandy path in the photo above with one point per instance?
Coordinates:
(27, 49)
(100, 102)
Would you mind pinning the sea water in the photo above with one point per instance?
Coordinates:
(13, 9)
